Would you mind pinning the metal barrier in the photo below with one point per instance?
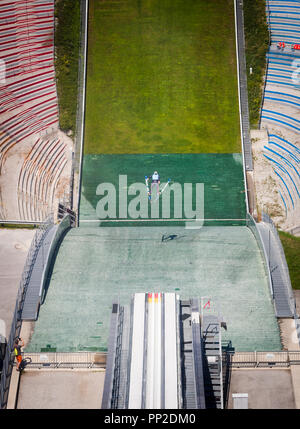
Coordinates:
(20, 223)
(252, 225)
(256, 359)
(56, 360)
(16, 321)
(266, 218)
(79, 135)
(242, 86)
(273, 257)
(263, 359)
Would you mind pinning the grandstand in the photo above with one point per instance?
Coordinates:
(148, 296)
(29, 114)
(280, 110)
(285, 159)
(38, 178)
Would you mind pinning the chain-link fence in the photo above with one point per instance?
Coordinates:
(242, 82)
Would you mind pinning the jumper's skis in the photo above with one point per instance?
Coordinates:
(147, 187)
(163, 189)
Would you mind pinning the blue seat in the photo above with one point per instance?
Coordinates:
(284, 170)
(285, 141)
(285, 160)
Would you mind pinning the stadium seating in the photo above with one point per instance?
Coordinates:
(280, 72)
(285, 159)
(28, 103)
(283, 98)
(38, 178)
(284, 19)
(280, 110)
(281, 119)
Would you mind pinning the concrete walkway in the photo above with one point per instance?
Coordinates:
(61, 389)
(291, 342)
(266, 388)
(14, 246)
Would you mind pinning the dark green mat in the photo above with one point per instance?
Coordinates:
(221, 174)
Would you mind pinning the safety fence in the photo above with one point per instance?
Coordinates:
(263, 359)
(275, 266)
(242, 83)
(255, 359)
(266, 218)
(273, 259)
(55, 360)
(22, 223)
(252, 225)
(16, 320)
(79, 136)
(36, 287)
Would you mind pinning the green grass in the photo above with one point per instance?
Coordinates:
(16, 226)
(291, 247)
(257, 42)
(161, 77)
(67, 41)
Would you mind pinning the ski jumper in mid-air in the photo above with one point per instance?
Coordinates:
(155, 177)
(153, 192)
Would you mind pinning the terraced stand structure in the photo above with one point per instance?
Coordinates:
(280, 112)
(29, 113)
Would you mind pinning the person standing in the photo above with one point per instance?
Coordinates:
(17, 350)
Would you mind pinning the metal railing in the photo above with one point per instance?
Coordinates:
(252, 225)
(24, 223)
(56, 360)
(258, 359)
(266, 218)
(79, 134)
(16, 320)
(249, 359)
(242, 86)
